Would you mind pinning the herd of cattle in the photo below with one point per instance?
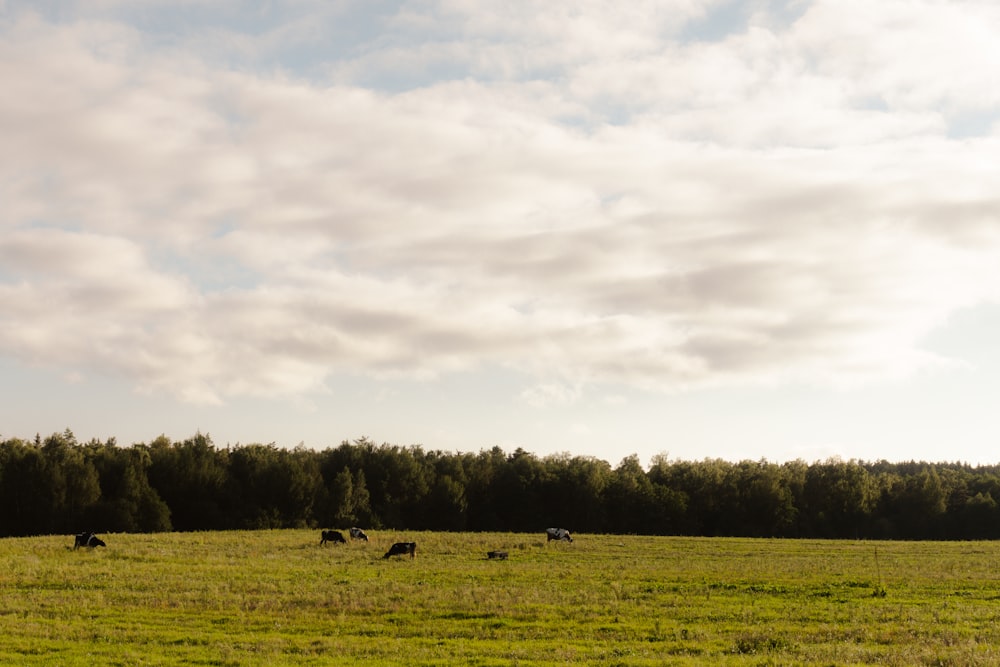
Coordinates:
(89, 539)
(337, 537)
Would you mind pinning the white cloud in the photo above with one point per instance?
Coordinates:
(550, 394)
(905, 52)
(635, 209)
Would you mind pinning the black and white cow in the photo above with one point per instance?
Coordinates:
(558, 534)
(332, 536)
(401, 549)
(358, 534)
(87, 540)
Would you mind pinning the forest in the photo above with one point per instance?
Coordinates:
(59, 485)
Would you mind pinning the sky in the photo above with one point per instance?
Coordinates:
(759, 229)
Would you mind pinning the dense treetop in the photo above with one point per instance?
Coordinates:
(59, 485)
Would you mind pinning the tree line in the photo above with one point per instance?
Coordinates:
(58, 485)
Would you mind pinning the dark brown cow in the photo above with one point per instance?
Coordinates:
(496, 555)
(332, 536)
(401, 549)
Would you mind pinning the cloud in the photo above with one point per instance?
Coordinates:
(628, 207)
(860, 44)
(551, 394)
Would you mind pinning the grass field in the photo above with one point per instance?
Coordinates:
(279, 598)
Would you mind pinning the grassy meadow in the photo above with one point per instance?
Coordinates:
(279, 598)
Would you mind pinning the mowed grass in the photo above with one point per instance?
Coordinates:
(279, 598)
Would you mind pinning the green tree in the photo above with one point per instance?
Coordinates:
(918, 504)
(349, 502)
(574, 490)
(839, 498)
(23, 480)
(980, 518)
(447, 504)
(631, 498)
(767, 505)
(280, 488)
(193, 479)
(70, 483)
(485, 511)
(128, 503)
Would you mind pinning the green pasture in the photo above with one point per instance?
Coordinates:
(279, 598)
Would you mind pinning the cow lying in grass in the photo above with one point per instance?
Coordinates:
(358, 534)
(496, 555)
(332, 536)
(87, 540)
(401, 549)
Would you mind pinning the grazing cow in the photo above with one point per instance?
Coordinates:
(498, 555)
(558, 534)
(87, 540)
(358, 534)
(401, 549)
(332, 536)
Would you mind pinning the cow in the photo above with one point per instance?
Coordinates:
(87, 540)
(358, 534)
(558, 534)
(332, 536)
(496, 555)
(401, 549)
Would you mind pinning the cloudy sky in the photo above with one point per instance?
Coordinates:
(699, 228)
